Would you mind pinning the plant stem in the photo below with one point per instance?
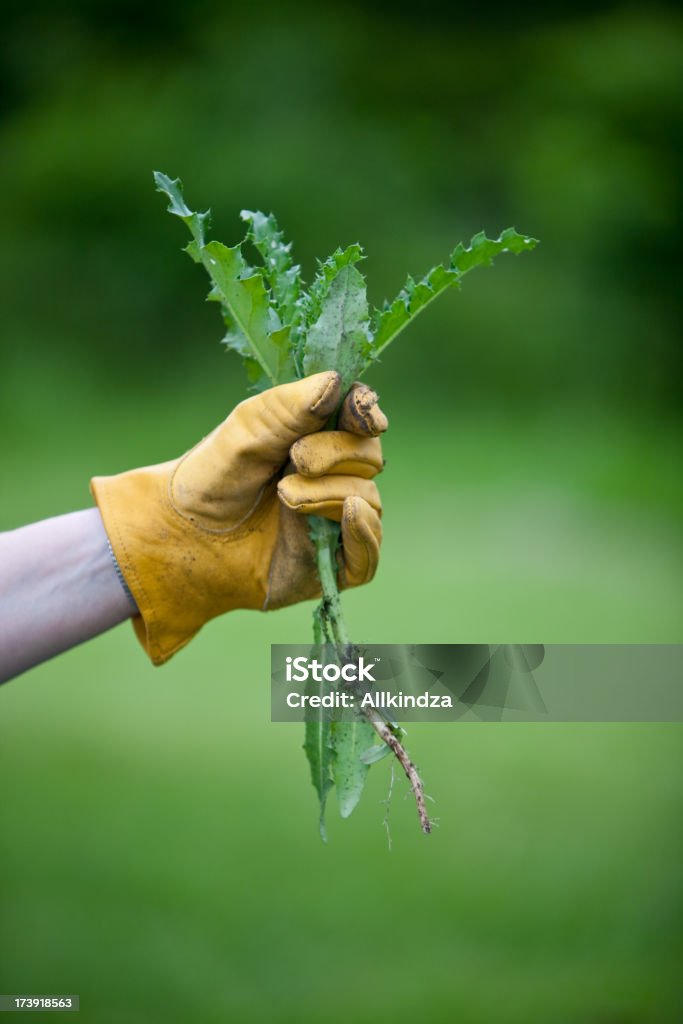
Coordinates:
(325, 535)
(329, 624)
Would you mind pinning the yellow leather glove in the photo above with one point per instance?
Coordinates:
(224, 526)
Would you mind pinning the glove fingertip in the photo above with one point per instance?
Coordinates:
(328, 396)
(361, 542)
(360, 413)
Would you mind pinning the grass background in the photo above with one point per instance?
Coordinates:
(159, 851)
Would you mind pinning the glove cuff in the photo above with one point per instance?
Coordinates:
(180, 574)
(145, 540)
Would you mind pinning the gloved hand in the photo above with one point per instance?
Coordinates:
(225, 527)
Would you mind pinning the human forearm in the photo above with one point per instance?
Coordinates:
(58, 587)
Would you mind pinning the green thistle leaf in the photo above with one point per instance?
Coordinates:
(339, 339)
(283, 276)
(415, 296)
(351, 740)
(327, 272)
(254, 328)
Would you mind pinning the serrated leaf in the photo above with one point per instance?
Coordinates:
(325, 275)
(243, 294)
(339, 339)
(415, 296)
(198, 223)
(309, 305)
(254, 328)
(282, 274)
(350, 740)
(194, 251)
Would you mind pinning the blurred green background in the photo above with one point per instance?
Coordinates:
(159, 851)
